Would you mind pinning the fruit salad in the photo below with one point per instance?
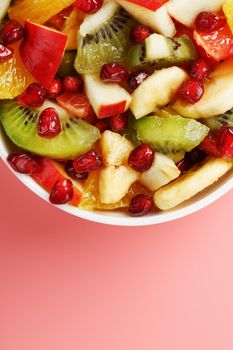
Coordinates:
(118, 104)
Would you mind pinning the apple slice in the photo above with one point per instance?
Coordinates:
(77, 104)
(158, 19)
(157, 91)
(4, 5)
(107, 100)
(42, 51)
(185, 11)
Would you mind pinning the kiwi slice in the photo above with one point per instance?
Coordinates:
(216, 123)
(67, 64)
(21, 126)
(171, 134)
(109, 42)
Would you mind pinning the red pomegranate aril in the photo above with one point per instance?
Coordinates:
(55, 88)
(49, 123)
(113, 73)
(207, 22)
(191, 91)
(102, 124)
(24, 163)
(200, 69)
(183, 165)
(140, 33)
(136, 78)
(119, 122)
(140, 205)
(6, 53)
(141, 158)
(72, 84)
(33, 96)
(69, 168)
(224, 140)
(88, 6)
(11, 32)
(209, 145)
(62, 192)
(87, 162)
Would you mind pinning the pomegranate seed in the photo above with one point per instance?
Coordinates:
(69, 168)
(209, 146)
(102, 124)
(88, 162)
(49, 124)
(140, 33)
(224, 141)
(88, 6)
(191, 91)
(5, 53)
(62, 192)
(136, 78)
(200, 69)
(119, 122)
(113, 73)
(183, 165)
(11, 32)
(33, 96)
(72, 84)
(208, 22)
(55, 88)
(141, 158)
(140, 205)
(24, 163)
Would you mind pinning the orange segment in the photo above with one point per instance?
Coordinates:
(14, 78)
(71, 27)
(39, 11)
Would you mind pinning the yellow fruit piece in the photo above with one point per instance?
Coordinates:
(72, 25)
(14, 78)
(38, 11)
(228, 11)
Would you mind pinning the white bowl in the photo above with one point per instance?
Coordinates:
(117, 218)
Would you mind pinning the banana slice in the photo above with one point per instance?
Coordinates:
(191, 183)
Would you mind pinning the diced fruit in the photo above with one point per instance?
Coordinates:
(156, 91)
(158, 19)
(162, 172)
(24, 163)
(37, 11)
(152, 5)
(73, 84)
(136, 78)
(114, 183)
(21, 125)
(115, 148)
(113, 73)
(77, 105)
(67, 64)
(208, 22)
(71, 27)
(141, 158)
(88, 6)
(55, 88)
(62, 192)
(225, 141)
(6, 53)
(191, 91)
(87, 162)
(11, 32)
(32, 97)
(200, 69)
(228, 11)
(69, 168)
(106, 99)
(58, 21)
(49, 124)
(4, 5)
(140, 205)
(209, 146)
(171, 133)
(119, 122)
(216, 123)
(140, 33)
(36, 57)
(218, 96)
(186, 14)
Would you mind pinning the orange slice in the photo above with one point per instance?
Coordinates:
(71, 27)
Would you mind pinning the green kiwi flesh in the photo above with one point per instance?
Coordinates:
(21, 126)
(216, 123)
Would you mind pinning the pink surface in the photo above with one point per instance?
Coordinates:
(67, 284)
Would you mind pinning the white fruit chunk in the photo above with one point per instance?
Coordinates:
(4, 5)
(162, 172)
(158, 20)
(156, 91)
(218, 96)
(115, 148)
(186, 11)
(115, 182)
(104, 96)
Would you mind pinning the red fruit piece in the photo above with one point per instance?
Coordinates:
(88, 162)
(183, 165)
(113, 73)
(200, 69)
(49, 123)
(55, 88)
(136, 78)
(102, 125)
(207, 22)
(141, 158)
(58, 21)
(224, 141)
(152, 5)
(62, 192)
(119, 122)
(140, 205)
(11, 32)
(33, 96)
(77, 104)
(191, 91)
(209, 146)
(140, 33)
(5, 53)
(69, 168)
(88, 6)
(72, 84)
(24, 163)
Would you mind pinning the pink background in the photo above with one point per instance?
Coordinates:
(67, 284)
